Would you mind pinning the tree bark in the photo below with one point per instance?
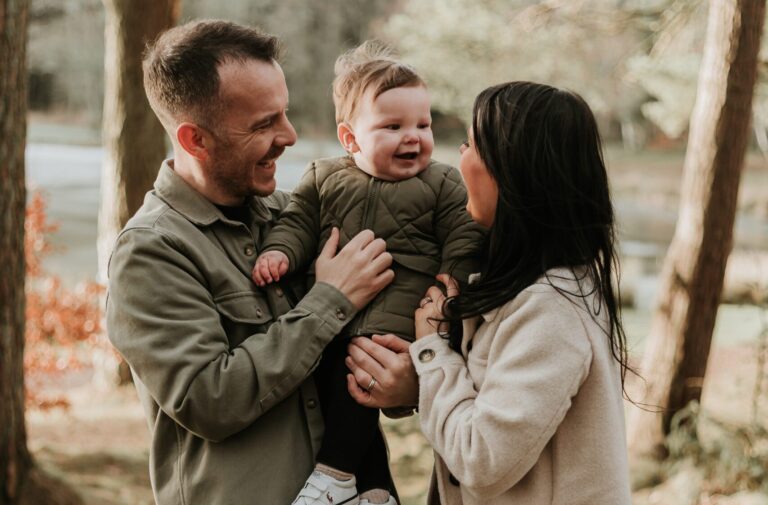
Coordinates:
(692, 276)
(20, 481)
(133, 138)
(14, 457)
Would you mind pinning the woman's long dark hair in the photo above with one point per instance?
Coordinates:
(542, 147)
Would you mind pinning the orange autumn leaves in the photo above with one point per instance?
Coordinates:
(62, 324)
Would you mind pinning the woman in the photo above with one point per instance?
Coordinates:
(520, 376)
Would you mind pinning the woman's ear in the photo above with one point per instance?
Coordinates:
(347, 137)
(194, 140)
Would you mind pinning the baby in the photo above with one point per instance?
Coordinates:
(389, 184)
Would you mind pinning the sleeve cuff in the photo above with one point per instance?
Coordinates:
(329, 304)
(432, 352)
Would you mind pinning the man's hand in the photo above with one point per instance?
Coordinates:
(386, 359)
(269, 267)
(360, 270)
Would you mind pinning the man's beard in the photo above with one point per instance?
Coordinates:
(233, 174)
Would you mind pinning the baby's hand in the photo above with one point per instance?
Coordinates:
(269, 267)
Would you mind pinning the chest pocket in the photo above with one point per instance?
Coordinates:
(243, 314)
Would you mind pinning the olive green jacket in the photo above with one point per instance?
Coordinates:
(221, 366)
(423, 219)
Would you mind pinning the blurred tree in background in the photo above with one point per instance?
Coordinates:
(133, 138)
(21, 482)
(675, 362)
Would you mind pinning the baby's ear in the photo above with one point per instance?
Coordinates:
(347, 137)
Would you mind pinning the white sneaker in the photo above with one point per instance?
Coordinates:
(391, 501)
(322, 489)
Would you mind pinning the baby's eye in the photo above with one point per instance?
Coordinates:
(392, 127)
(424, 125)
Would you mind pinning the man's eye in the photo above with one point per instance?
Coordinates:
(263, 125)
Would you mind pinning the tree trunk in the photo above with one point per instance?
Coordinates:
(14, 457)
(692, 277)
(134, 140)
(20, 481)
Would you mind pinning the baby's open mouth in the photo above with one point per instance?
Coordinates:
(407, 156)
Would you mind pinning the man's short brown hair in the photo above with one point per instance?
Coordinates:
(181, 76)
(371, 65)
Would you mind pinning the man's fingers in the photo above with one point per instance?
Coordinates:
(392, 342)
(381, 262)
(375, 247)
(361, 240)
(383, 279)
(331, 245)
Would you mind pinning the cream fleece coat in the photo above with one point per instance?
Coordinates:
(532, 413)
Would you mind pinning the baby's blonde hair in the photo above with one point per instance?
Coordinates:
(372, 64)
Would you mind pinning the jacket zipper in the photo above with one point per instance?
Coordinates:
(369, 213)
(370, 203)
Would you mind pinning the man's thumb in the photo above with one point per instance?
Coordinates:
(329, 249)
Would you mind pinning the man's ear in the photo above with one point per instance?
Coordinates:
(194, 140)
(347, 138)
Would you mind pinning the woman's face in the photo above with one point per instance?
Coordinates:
(482, 191)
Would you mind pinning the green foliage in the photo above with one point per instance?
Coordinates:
(462, 47)
(733, 458)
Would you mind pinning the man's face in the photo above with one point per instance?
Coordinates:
(252, 131)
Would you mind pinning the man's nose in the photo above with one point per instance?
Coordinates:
(287, 134)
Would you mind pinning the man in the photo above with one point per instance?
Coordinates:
(221, 366)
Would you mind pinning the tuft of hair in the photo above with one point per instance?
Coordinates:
(181, 67)
(373, 66)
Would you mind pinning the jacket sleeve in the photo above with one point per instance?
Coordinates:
(297, 232)
(163, 320)
(491, 437)
(460, 236)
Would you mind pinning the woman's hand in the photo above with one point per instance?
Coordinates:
(429, 315)
(382, 372)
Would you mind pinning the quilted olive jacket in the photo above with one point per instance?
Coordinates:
(423, 220)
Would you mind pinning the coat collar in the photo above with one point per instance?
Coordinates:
(184, 199)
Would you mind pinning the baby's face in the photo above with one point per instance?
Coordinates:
(392, 135)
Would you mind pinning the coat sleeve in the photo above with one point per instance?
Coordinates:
(162, 319)
(297, 232)
(461, 238)
(491, 437)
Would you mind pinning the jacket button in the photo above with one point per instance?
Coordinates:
(279, 292)
(312, 404)
(340, 314)
(426, 355)
(258, 312)
(249, 250)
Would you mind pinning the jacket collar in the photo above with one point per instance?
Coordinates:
(185, 200)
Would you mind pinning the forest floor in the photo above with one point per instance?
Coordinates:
(100, 444)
